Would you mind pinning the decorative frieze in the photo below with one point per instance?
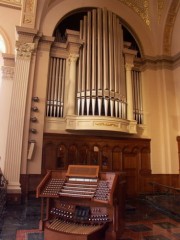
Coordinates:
(12, 3)
(160, 8)
(29, 13)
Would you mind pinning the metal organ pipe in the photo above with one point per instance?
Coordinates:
(52, 87)
(105, 63)
(49, 89)
(99, 55)
(111, 59)
(84, 64)
(59, 89)
(63, 86)
(79, 84)
(137, 96)
(111, 63)
(56, 87)
(55, 93)
(88, 77)
(101, 59)
(105, 54)
(89, 63)
(94, 61)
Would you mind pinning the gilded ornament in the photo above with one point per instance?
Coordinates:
(141, 7)
(29, 6)
(106, 124)
(12, 2)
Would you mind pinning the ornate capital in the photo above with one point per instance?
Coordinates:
(24, 49)
(129, 66)
(7, 72)
(73, 57)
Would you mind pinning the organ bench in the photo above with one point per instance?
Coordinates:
(82, 204)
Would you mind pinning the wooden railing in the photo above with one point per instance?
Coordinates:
(159, 188)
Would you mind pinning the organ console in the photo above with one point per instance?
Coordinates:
(82, 204)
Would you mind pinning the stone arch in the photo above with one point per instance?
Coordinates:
(58, 10)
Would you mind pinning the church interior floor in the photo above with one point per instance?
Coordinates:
(147, 218)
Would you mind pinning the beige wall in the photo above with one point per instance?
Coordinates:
(160, 104)
(10, 18)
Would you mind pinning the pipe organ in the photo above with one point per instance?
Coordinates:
(82, 204)
(55, 95)
(99, 86)
(137, 96)
(100, 78)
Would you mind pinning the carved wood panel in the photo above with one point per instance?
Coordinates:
(131, 155)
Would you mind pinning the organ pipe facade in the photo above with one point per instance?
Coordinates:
(101, 75)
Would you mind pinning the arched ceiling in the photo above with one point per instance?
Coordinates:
(156, 19)
(157, 16)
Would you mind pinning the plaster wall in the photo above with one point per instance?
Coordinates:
(5, 102)
(160, 108)
(10, 18)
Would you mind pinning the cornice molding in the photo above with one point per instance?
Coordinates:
(12, 3)
(159, 62)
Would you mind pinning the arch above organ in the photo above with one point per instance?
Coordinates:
(101, 88)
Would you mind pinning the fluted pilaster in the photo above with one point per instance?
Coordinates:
(17, 114)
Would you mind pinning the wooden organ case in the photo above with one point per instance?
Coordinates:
(82, 204)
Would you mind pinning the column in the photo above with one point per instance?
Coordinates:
(129, 58)
(17, 114)
(71, 88)
(73, 46)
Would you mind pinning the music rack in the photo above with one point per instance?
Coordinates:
(82, 203)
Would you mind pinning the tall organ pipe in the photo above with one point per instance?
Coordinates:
(105, 54)
(111, 59)
(53, 87)
(59, 88)
(99, 28)
(94, 62)
(63, 85)
(88, 77)
(49, 88)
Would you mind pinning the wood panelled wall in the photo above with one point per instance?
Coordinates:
(130, 155)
